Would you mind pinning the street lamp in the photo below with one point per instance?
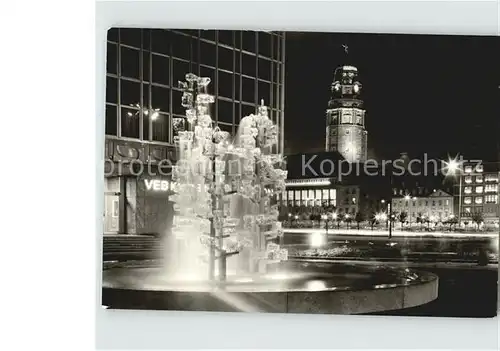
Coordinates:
(454, 168)
(334, 217)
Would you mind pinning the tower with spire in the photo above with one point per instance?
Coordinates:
(345, 116)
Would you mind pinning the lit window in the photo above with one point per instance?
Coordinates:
(310, 196)
(479, 179)
(467, 200)
(479, 189)
(491, 188)
(479, 168)
(468, 190)
(468, 179)
(325, 195)
(447, 202)
(468, 169)
(304, 195)
(491, 178)
(478, 200)
(333, 194)
(491, 199)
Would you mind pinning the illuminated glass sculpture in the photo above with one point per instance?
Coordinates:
(213, 172)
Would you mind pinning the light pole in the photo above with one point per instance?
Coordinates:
(454, 168)
(383, 217)
(408, 198)
(325, 218)
(334, 217)
(390, 218)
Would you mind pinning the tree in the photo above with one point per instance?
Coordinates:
(477, 217)
(452, 221)
(373, 220)
(340, 218)
(283, 217)
(360, 217)
(348, 220)
(312, 218)
(420, 218)
(315, 217)
(402, 216)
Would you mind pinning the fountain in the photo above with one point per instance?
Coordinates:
(225, 252)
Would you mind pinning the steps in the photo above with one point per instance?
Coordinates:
(131, 247)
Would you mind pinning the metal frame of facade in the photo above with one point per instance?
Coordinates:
(196, 62)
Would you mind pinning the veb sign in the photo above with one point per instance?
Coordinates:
(156, 185)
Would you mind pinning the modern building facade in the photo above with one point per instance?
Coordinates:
(478, 192)
(144, 112)
(345, 116)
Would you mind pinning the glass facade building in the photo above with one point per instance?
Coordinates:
(144, 111)
(143, 101)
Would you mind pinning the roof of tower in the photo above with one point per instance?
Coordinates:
(349, 68)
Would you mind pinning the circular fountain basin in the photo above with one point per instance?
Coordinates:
(289, 287)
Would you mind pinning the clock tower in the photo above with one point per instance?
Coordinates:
(345, 116)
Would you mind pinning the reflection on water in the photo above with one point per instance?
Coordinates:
(316, 285)
(398, 248)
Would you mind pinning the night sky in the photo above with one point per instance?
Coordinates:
(422, 93)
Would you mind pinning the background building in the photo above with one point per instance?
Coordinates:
(478, 191)
(333, 185)
(435, 206)
(144, 112)
(329, 183)
(345, 117)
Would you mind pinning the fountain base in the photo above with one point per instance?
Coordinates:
(289, 287)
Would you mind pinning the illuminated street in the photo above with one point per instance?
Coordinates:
(384, 233)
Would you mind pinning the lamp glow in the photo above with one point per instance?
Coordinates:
(317, 239)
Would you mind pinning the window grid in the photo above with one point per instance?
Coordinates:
(146, 45)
